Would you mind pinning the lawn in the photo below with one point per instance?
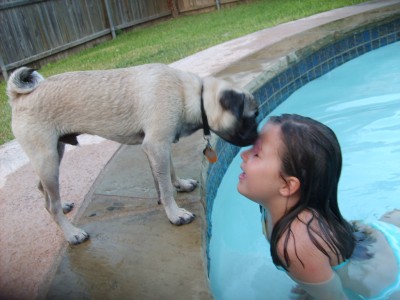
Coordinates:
(173, 39)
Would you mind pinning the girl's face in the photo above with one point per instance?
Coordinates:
(261, 180)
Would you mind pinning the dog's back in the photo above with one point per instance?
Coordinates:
(120, 105)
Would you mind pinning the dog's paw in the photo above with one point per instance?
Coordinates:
(78, 237)
(183, 217)
(186, 185)
(67, 207)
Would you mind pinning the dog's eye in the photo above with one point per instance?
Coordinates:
(256, 113)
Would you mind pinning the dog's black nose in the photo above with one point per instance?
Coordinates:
(247, 140)
(244, 138)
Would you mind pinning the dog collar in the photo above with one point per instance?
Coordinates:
(208, 151)
(206, 127)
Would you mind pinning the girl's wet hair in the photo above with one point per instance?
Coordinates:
(311, 153)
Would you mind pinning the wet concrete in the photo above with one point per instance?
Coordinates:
(134, 251)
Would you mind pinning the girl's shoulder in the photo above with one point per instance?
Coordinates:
(305, 222)
(301, 243)
(299, 229)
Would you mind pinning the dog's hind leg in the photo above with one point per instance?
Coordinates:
(158, 154)
(45, 159)
(66, 206)
(182, 185)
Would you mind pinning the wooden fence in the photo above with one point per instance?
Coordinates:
(31, 30)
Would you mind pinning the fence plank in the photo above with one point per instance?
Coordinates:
(3, 69)
(188, 5)
(57, 50)
(110, 18)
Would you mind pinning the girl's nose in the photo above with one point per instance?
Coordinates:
(245, 154)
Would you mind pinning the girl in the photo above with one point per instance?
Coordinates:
(293, 172)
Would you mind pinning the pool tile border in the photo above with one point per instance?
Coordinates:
(277, 89)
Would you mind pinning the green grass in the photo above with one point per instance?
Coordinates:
(171, 40)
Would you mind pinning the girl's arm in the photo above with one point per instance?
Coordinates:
(327, 290)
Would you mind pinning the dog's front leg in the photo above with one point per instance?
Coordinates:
(182, 185)
(159, 157)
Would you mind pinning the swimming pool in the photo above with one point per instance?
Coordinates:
(360, 101)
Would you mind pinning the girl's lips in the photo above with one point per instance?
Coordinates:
(242, 176)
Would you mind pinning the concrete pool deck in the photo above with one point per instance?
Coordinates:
(134, 252)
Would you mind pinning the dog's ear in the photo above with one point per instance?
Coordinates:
(233, 101)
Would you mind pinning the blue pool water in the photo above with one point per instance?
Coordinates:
(360, 101)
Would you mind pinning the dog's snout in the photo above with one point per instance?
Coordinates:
(250, 137)
(246, 135)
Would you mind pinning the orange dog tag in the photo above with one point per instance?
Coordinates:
(210, 154)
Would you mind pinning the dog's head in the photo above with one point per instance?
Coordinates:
(231, 112)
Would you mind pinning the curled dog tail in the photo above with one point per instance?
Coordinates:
(23, 81)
